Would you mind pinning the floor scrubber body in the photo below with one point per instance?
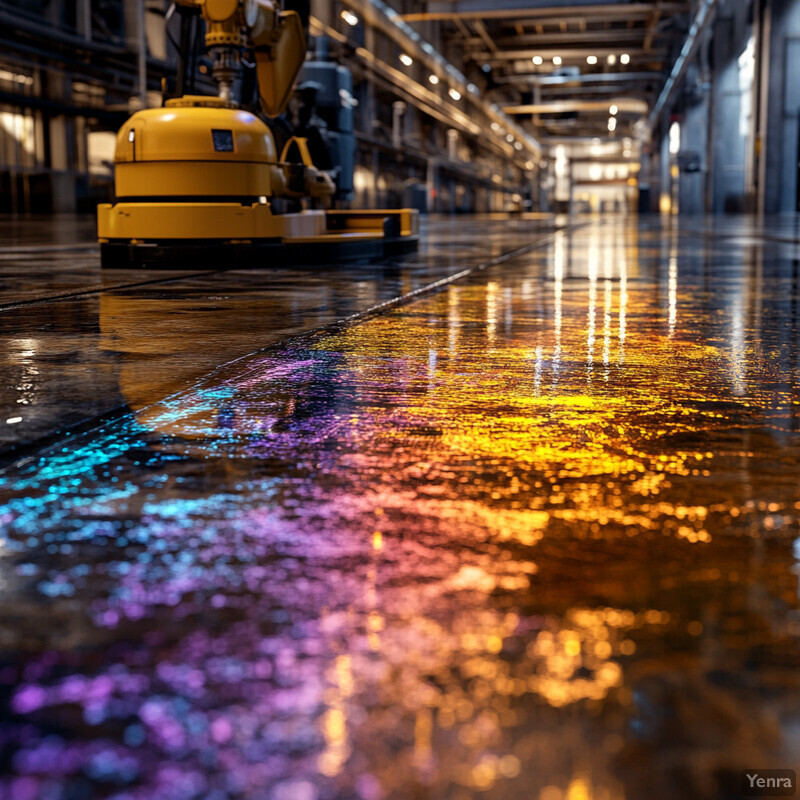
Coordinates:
(199, 182)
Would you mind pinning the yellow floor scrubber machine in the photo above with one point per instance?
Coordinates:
(200, 183)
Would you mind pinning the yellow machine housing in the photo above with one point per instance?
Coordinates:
(198, 169)
(171, 151)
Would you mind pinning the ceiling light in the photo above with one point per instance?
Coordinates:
(591, 60)
(487, 67)
(538, 60)
(495, 127)
(518, 145)
(349, 17)
(406, 59)
(455, 94)
(613, 111)
(509, 137)
(612, 124)
(624, 59)
(557, 60)
(433, 79)
(612, 59)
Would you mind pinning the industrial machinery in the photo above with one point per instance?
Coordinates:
(199, 182)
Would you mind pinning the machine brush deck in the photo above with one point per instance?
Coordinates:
(360, 237)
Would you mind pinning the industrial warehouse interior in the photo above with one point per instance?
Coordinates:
(400, 399)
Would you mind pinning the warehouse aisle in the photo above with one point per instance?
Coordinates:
(529, 535)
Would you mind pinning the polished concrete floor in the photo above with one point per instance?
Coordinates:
(512, 518)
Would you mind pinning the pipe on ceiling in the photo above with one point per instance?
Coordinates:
(699, 24)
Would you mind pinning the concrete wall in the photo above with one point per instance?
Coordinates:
(747, 144)
(694, 147)
(725, 126)
(730, 138)
(783, 121)
(664, 166)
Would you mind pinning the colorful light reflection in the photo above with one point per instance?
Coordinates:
(463, 548)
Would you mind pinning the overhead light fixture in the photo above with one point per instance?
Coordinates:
(624, 59)
(557, 60)
(406, 59)
(509, 138)
(591, 60)
(612, 124)
(349, 17)
(612, 59)
(455, 94)
(518, 145)
(495, 127)
(433, 79)
(487, 67)
(538, 60)
(613, 111)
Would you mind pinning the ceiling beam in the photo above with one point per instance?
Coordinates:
(624, 105)
(564, 52)
(462, 27)
(605, 93)
(652, 27)
(484, 34)
(539, 23)
(564, 80)
(588, 37)
(537, 9)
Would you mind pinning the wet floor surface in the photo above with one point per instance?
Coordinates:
(531, 535)
(77, 340)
